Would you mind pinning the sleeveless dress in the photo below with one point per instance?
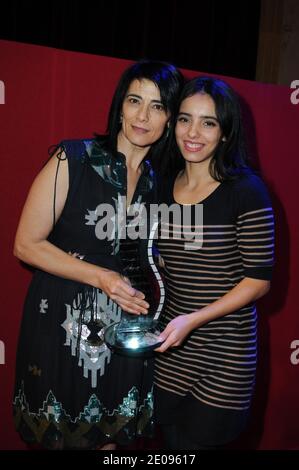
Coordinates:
(71, 391)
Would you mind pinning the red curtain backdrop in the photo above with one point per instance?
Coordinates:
(48, 95)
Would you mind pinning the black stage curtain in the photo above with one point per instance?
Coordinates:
(213, 36)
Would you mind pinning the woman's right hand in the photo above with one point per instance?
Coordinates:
(119, 289)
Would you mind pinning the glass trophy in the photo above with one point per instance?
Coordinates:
(138, 334)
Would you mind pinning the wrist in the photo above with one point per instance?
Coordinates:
(194, 320)
(95, 276)
(198, 318)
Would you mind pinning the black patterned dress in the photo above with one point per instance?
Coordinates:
(71, 391)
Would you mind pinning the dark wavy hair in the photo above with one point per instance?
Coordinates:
(168, 79)
(230, 159)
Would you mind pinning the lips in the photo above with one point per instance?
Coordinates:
(193, 146)
(139, 130)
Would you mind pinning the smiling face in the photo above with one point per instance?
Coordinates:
(197, 131)
(143, 115)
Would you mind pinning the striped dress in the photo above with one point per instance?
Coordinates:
(210, 378)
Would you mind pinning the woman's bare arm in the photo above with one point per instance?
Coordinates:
(246, 291)
(32, 247)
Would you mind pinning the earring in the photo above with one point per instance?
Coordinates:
(120, 118)
(167, 129)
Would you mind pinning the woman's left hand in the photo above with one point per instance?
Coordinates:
(176, 331)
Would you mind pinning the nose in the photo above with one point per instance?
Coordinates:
(143, 113)
(193, 130)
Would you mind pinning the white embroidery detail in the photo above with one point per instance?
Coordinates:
(43, 306)
(93, 358)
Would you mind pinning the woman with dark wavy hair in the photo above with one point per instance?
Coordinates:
(205, 377)
(71, 392)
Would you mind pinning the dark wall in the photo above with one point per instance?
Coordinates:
(208, 35)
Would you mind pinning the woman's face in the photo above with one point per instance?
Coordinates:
(197, 129)
(143, 115)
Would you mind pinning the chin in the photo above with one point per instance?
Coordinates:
(142, 142)
(193, 159)
(196, 158)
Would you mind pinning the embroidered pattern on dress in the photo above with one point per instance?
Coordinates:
(43, 306)
(53, 411)
(94, 355)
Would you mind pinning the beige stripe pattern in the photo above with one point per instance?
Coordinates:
(217, 362)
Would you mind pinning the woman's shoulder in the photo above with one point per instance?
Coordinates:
(93, 149)
(248, 181)
(249, 189)
(76, 148)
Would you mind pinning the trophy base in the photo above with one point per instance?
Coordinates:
(134, 341)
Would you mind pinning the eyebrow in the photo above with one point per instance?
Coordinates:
(203, 117)
(140, 97)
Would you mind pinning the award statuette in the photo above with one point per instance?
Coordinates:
(138, 334)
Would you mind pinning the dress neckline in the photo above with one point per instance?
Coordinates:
(202, 201)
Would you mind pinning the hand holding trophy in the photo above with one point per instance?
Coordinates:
(139, 334)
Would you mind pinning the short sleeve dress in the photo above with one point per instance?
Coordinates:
(70, 390)
(205, 386)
